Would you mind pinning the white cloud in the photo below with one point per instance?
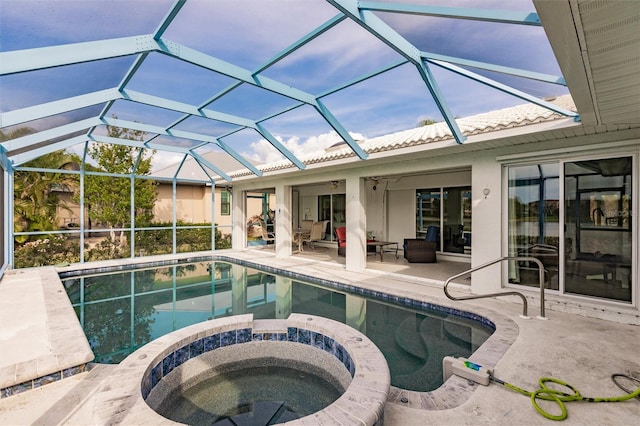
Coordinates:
(264, 152)
(162, 160)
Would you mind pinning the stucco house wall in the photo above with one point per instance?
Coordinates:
(391, 211)
(193, 205)
(190, 203)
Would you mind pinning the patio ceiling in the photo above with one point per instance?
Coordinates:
(216, 77)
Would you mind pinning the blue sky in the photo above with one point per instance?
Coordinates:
(247, 33)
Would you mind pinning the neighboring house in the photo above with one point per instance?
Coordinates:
(67, 211)
(193, 202)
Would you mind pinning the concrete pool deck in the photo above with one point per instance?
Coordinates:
(580, 350)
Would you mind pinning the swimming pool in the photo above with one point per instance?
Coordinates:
(121, 311)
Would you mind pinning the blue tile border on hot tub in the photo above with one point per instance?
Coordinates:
(397, 300)
(238, 336)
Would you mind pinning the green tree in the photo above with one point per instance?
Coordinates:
(427, 122)
(16, 133)
(36, 199)
(108, 198)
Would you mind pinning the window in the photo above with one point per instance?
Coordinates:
(225, 203)
(449, 209)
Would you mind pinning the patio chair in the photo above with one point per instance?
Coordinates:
(267, 236)
(316, 234)
(419, 250)
(303, 234)
(305, 225)
(341, 236)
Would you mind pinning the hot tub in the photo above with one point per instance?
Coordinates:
(204, 365)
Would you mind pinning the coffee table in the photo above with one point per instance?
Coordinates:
(379, 246)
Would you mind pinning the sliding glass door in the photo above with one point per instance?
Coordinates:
(585, 241)
(534, 227)
(448, 210)
(332, 208)
(598, 237)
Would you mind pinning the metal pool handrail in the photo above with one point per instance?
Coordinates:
(506, 293)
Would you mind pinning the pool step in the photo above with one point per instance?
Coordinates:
(411, 337)
(261, 413)
(457, 331)
(448, 336)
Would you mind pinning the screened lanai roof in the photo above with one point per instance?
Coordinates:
(245, 82)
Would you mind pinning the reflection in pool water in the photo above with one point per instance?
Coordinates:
(122, 311)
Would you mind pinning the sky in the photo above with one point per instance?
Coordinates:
(248, 33)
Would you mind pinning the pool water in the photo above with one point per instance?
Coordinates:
(122, 311)
(256, 395)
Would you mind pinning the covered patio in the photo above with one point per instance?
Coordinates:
(435, 272)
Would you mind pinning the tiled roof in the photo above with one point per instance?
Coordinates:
(507, 118)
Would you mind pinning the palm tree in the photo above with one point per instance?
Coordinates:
(35, 199)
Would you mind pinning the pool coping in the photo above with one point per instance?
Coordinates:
(46, 342)
(121, 397)
(452, 393)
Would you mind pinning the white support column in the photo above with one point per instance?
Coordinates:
(283, 221)
(238, 220)
(486, 241)
(356, 253)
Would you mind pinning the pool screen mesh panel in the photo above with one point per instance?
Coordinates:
(235, 77)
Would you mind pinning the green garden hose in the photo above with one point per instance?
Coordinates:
(549, 394)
